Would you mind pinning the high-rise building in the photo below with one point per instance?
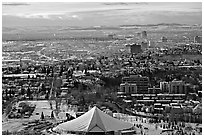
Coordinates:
(134, 48)
(198, 39)
(142, 83)
(144, 34)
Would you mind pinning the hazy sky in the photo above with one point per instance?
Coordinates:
(96, 14)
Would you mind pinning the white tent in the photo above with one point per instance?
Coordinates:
(94, 121)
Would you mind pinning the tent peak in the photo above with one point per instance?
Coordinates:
(94, 120)
(95, 107)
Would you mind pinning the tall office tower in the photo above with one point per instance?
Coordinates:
(144, 34)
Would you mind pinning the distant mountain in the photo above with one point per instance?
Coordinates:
(91, 28)
(149, 25)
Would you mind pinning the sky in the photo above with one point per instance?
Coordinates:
(99, 14)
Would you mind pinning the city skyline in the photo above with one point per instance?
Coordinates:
(101, 68)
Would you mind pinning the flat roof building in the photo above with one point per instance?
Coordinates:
(128, 88)
(177, 87)
(134, 48)
(142, 83)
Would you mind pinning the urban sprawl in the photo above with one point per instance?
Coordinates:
(148, 80)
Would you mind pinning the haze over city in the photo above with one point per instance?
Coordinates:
(99, 14)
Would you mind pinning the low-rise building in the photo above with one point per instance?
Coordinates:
(128, 87)
(177, 87)
(164, 86)
(142, 83)
(154, 90)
